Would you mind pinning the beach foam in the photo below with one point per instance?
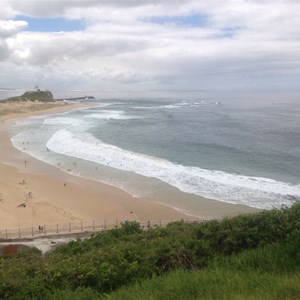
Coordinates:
(232, 188)
(178, 105)
(110, 114)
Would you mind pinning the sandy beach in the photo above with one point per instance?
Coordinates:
(32, 192)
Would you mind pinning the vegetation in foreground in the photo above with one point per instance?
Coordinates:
(247, 257)
(262, 273)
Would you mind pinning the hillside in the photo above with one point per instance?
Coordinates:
(247, 257)
(34, 95)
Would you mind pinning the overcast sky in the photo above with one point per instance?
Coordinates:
(150, 44)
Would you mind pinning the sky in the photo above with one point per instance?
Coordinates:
(150, 44)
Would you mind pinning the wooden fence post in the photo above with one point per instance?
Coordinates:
(93, 224)
(45, 229)
(81, 225)
(32, 230)
(104, 224)
(69, 227)
(6, 233)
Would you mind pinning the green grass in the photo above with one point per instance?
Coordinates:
(265, 273)
(246, 257)
(215, 284)
(269, 272)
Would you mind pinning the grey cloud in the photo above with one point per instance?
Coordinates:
(119, 46)
(54, 8)
(43, 49)
(4, 52)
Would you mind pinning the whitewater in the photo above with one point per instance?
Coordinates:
(203, 147)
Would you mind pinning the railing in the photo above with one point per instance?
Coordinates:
(76, 227)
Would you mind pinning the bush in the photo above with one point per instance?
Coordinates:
(119, 257)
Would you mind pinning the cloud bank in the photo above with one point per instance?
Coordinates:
(136, 44)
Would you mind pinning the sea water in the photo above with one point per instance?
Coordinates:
(244, 150)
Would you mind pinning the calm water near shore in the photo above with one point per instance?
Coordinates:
(243, 149)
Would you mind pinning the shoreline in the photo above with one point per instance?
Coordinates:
(60, 197)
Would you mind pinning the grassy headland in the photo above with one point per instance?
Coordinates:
(247, 257)
(34, 95)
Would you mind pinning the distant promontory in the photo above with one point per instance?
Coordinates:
(43, 96)
(33, 95)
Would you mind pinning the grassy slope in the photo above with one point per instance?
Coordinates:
(248, 257)
(265, 273)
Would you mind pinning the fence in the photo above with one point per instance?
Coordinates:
(76, 227)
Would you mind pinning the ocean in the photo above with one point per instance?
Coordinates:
(241, 149)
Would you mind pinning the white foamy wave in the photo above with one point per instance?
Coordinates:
(168, 106)
(253, 191)
(171, 106)
(179, 105)
(195, 104)
(148, 107)
(111, 114)
(61, 121)
(27, 121)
